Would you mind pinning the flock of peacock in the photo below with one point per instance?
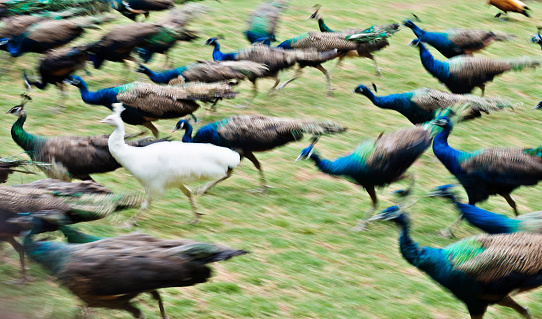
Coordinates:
(110, 272)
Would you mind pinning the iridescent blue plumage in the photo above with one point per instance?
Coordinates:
(438, 40)
(162, 77)
(489, 171)
(481, 270)
(217, 54)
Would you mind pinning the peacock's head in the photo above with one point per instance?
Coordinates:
(409, 24)
(444, 122)
(315, 15)
(74, 80)
(306, 153)
(36, 222)
(538, 106)
(416, 43)
(142, 69)
(17, 110)
(442, 191)
(211, 41)
(393, 213)
(180, 125)
(363, 90)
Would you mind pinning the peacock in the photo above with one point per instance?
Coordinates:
(33, 7)
(207, 71)
(276, 59)
(68, 202)
(10, 165)
(480, 271)
(50, 34)
(457, 41)
(56, 66)
(509, 6)
(378, 162)
(247, 134)
(145, 102)
(461, 74)
(174, 30)
(323, 26)
(161, 166)
(263, 21)
(490, 222)
(109, 273)
(361, 44)
(421, 105)
(70, 156)
(132, 8)
(118, 44)
(16, 25)
(489, 171)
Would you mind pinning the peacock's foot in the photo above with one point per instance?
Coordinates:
(21, 281)
(329, 93)
(196, 219)
(261, 190)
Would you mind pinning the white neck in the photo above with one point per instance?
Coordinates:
(116, 143)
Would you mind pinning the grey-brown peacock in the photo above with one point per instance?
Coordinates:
(461, 74)
(480, 271)
(263, 21)
(276, 59)
(65, 203)
(10, 165)
(207, 71)
(110, 272)
(71, 156)
(248, 134)
(146, 102)
(422, 105)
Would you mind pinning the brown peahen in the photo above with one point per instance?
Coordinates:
(276, 59)
(110, 272)
(50, 34)
(461, 74)
(65, 203)
(132, 8)
(207, 71)
(480, 271)
(263, 21)
(146, 102)
(174, 30)
(71, 156)
(56, 66)
(489, 171)
(248, 134)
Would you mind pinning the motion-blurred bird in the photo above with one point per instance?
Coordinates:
(480, 271)
(247, 134)
(489, 171)
(263, 21)
(509, 6)
(461, 74)
(132, 8)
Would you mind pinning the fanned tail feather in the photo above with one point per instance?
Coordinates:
(321, 127)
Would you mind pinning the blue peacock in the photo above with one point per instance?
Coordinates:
(263, 21)
(421, 105)
(145, 102)
(129, 265)
(207, 71)
(378, 162)
(248, 134)
(457, 41)
(461, 74)
(489, 171)
(490, 222)
(480, 271)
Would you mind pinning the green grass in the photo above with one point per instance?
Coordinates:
(305, 261)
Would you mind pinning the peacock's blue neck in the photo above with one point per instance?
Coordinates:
(187, 137)
(49, 254)
(337, 167)
(398, 102)
(165, 76)
(28, 142)
(219, 56)
(104, 97)
(209, 134)
(487, 221)
(440, 41)
(14, 48)
(417, 31)
(323, 27)
(451, 158)
(439, 69)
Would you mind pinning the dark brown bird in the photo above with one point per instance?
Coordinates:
(68, 202)
(263, 21)
(75, 156)
(132, 8)
(110, 272)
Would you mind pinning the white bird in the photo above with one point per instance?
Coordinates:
(169, 164)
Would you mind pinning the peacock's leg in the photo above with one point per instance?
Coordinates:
(296, 75)
(511, 303)
(212, 184)
(250, 156)
(511, 202)
(483, 88)
(144, 207)
(372, 57)
(20, 250)
(156, 295)
(362, 224)
(254, 94)
(151, 127)
(188, 194)
(341, 58)
(328, 79)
